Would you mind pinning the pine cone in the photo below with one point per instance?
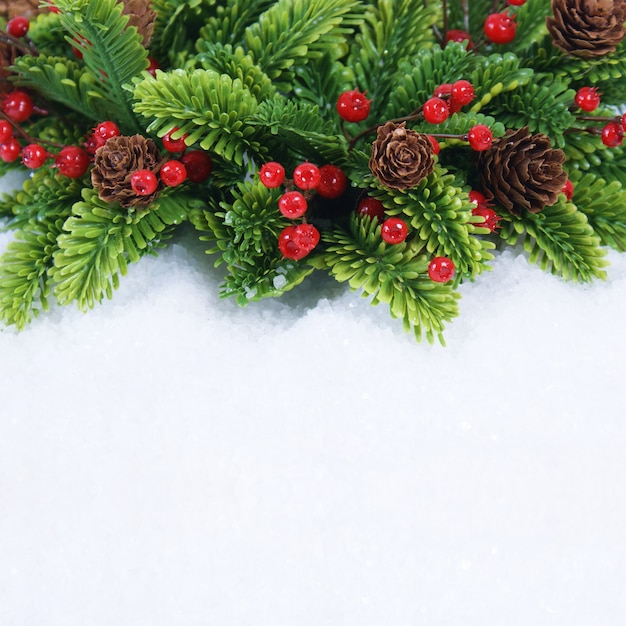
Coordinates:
(587, 28)
(522, 171)
(114, 164)
(401, 157)
(142, 16)
(11, 8)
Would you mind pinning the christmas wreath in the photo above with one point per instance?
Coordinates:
(394, 144)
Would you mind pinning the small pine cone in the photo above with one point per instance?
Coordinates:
(401, 157)
(114, 164)
(12, 8)
(522, 171)
(142, 16)
(587, 28)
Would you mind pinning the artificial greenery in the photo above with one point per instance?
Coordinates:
(250, 82)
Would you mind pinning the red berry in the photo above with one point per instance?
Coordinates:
(174, 145)
(333, 182)
(516, 3)
(306, 176)
(587, 99)
(568, 189)
(459, 36)
(372, 207)
(435, 110)
(500, 28)
(435, 144)
(144, 182)
(173, 173)
(6, 131)
(18, 26)
(292, 204)
(295, 242)
(444, 91)
(18, 106)
(394, 230)
(489, 215)
(478, 199)
(480, 137)
(624, 122)
(612, 135)
(198, 165)
(272, 174)
(462, 91)
(154, 66)
(10, 150)
(441, 269)
(106, 130)
(353, 106)
(34, 156)
(72, 161)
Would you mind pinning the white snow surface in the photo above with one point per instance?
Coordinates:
(171, 459)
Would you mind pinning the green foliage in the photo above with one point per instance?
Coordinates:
(542, 105)
(417, 79)
(98, 242)
(559, 239)
(392, 34)
(587, 153)
(292, 32)
(394, 274)
(213, 109)
(46, 32)
(296, 130)
(604, 204)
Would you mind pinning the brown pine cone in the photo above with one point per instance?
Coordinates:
(114, 164)
(142, 16)
(522, 171)
(587, 28)
(401, 157)
(11, 8)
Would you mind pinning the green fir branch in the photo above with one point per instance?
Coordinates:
(559, 239)
(213, 109)
(393, 274)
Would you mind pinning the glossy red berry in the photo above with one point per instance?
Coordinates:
(296, 242)
(435, 144)
(516, 3)
(500, 28)
(17, 105)
(478, 199)
(173, 173)
(10, 150)
(292, 204)
(372, 207)
(306, 176)
(435, 110)
(72, 161)
(144, 182)
(612, 135)
(460, 36)
(353, 106)
(198, 165)
(153, 67)
(480, 137)
(394, 230)
(174, 145)
(462, 92)
(490, 217)
(6, 131)
(272, 174)
(106, 130)
(18, 26)
(587, 99)
(441, 269)
(444, 91)
(333, 182)
(34, 155)
(568, 189)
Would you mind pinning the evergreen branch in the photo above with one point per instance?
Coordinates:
(292, 32)
(113, 53)
(558, 239)
(393, 274)
(212, 109)
(98, 242)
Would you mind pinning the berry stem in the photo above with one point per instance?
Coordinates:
(24, 135)
(25, 47)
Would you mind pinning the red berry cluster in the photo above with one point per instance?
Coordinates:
(447, 98)
(393, 230)
(612, 133)
(483, 208)
(328, 181)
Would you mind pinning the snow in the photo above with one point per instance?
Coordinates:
(169, 458)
